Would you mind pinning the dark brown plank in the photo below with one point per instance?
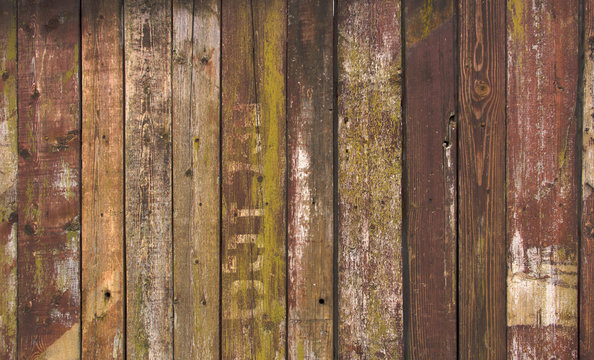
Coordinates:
(48, 179)
(542, 220)
(431, 179)
(481, 179)
(310, 189)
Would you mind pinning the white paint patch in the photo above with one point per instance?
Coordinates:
(66, 181)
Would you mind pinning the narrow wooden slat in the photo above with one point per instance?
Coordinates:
(481, 174)
(369, 180)
(310, 189)
(148, 152)
(196, 68)
(8, 177)
(431, 178)
(48, 179)
(542, 220)
(103, 181)
(253, 179)
(586, 269)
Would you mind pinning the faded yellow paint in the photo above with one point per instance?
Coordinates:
(516, 8)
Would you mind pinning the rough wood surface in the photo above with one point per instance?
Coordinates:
(542, 227)
(481, 179)
(253, 180)
(310, 189)
(8, 177)
(102, 226)
(196, 69)
(48, 180)
(369, 180)
(148, 151)
(431, 179)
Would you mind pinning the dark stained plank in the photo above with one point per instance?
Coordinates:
(8, 177)
(148, 153)
(431, 179)
(102, 184)
(369, 180)
(48, 179)
(542, 189)
(195, 86)
(310, 95)
(253, 180)
(481, 179)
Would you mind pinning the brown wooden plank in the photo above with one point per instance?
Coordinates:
(369, 180)
(102, 224)
(149, 284)
(481, 174)
(542, 221)
(48, 179)
(586, 269)
(196, 69)
(253, 179)
(431, 179)
(8, 177)
(310, 95)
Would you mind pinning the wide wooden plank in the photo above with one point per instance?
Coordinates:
(253, 180)
(369, 180)
(8, 175)
(148, 151)
(481, 179)
(48, 179)
(310, 94)
(102, 223)
(196, 207)
(542, 220)
(586, 299)
(431, 179)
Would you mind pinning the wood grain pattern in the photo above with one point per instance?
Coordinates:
(48, 180)
(369, 180)
(542, 221)
(196, 108)
(253, 180)
(431, 179)
(310, 94)
(481, 179)
(8, 177)
(102, 224)
(148, 153)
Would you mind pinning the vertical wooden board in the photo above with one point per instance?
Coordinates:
(542, 221)
(481, 179)
(48, 179)
(196, 70)
(586, 320)
(369, 180)
(431, 179)
(8, 177)
(102, 223)
(253, 180)
(310, 95)
(148, 152)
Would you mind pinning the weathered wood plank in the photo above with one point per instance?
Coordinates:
(481, 174)
(48, 179)
(102, 225)
(542, 221)
(431, 179)
(310, 95)
(8, 177)
(369, 180)
(586, 320)
(253, 179)
(148, 151)
(196, 69)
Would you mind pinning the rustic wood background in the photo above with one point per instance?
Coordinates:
(301, 179)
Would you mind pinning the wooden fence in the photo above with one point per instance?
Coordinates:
(301, 179)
